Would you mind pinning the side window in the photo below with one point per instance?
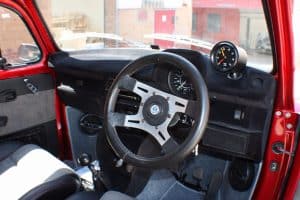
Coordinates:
(16, 42)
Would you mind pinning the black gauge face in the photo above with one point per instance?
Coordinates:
(179, 84)
(224, 57)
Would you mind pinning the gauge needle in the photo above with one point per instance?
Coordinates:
(222, 50)
(181, 85)
(221, 61)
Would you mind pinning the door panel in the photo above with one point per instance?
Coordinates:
(29, 117)
(27, 92)
(27, 109)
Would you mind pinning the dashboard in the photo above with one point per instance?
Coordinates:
(241, 98)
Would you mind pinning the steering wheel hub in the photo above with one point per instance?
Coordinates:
(155, 110)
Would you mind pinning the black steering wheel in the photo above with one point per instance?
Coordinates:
(156, 110)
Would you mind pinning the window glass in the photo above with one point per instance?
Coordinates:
(192, 24)
(16, 42)
(213, 23)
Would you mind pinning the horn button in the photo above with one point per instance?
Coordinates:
(155, 110)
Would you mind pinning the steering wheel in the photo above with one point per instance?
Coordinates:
(156, 110)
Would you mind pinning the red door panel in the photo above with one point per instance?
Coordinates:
(30, 17)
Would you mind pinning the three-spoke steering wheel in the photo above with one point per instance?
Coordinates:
(156, 110)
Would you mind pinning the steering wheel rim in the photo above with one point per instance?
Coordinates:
(173, 152)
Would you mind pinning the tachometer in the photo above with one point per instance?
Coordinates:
(179, 84)
(226, 57)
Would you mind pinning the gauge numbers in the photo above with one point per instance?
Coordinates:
(179, 84)
(224, 56)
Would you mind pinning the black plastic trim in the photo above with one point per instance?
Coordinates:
(271, 34)
(41, 81)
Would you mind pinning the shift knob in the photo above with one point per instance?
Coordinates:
(84, 159)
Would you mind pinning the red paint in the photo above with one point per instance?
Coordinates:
(228, 18)
(62, 131)
(164, 23)
(28, 12)
(65, 136)
(41, 28)
(41, 66)
(270, 183)
(294, 179)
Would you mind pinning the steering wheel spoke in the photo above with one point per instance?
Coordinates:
(137, 87)
(181, 105)
(191, 108)
(170, 145)
(123, 120)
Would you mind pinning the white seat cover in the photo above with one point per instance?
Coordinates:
(26, 168)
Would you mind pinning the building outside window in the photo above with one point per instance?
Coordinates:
(213, 23)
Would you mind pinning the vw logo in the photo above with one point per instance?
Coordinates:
(154, 109)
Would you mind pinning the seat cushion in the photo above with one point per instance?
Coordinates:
(114, 195)
(85, 195)
(30, 171)
(8, 148)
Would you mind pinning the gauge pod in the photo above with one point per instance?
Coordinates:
(227, 57)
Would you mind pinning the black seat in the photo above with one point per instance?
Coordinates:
(29, 172)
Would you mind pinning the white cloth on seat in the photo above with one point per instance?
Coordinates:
(26, 168)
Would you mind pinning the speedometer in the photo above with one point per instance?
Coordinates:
(179, 84)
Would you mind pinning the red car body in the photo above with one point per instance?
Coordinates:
(272, 184)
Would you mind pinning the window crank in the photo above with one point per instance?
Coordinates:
(278, 148)
(30, 86)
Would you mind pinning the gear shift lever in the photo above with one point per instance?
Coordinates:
(84, 160)
(99, 182)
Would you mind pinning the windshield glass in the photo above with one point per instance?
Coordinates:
(192, 24)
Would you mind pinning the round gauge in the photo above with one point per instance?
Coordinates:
(179, 84)
(224, 56)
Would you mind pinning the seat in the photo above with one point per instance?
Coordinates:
(114, 195)
(109, 195)
(29, 172)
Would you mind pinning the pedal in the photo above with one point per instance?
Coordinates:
(198, 174)
(214, 185)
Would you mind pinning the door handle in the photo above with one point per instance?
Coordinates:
(8, 95)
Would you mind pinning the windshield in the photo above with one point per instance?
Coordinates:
(191, 24)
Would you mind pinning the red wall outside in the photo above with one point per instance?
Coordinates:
(229, 18)
(166, 26)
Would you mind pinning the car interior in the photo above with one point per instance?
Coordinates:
(236, 112)
(171, 123)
